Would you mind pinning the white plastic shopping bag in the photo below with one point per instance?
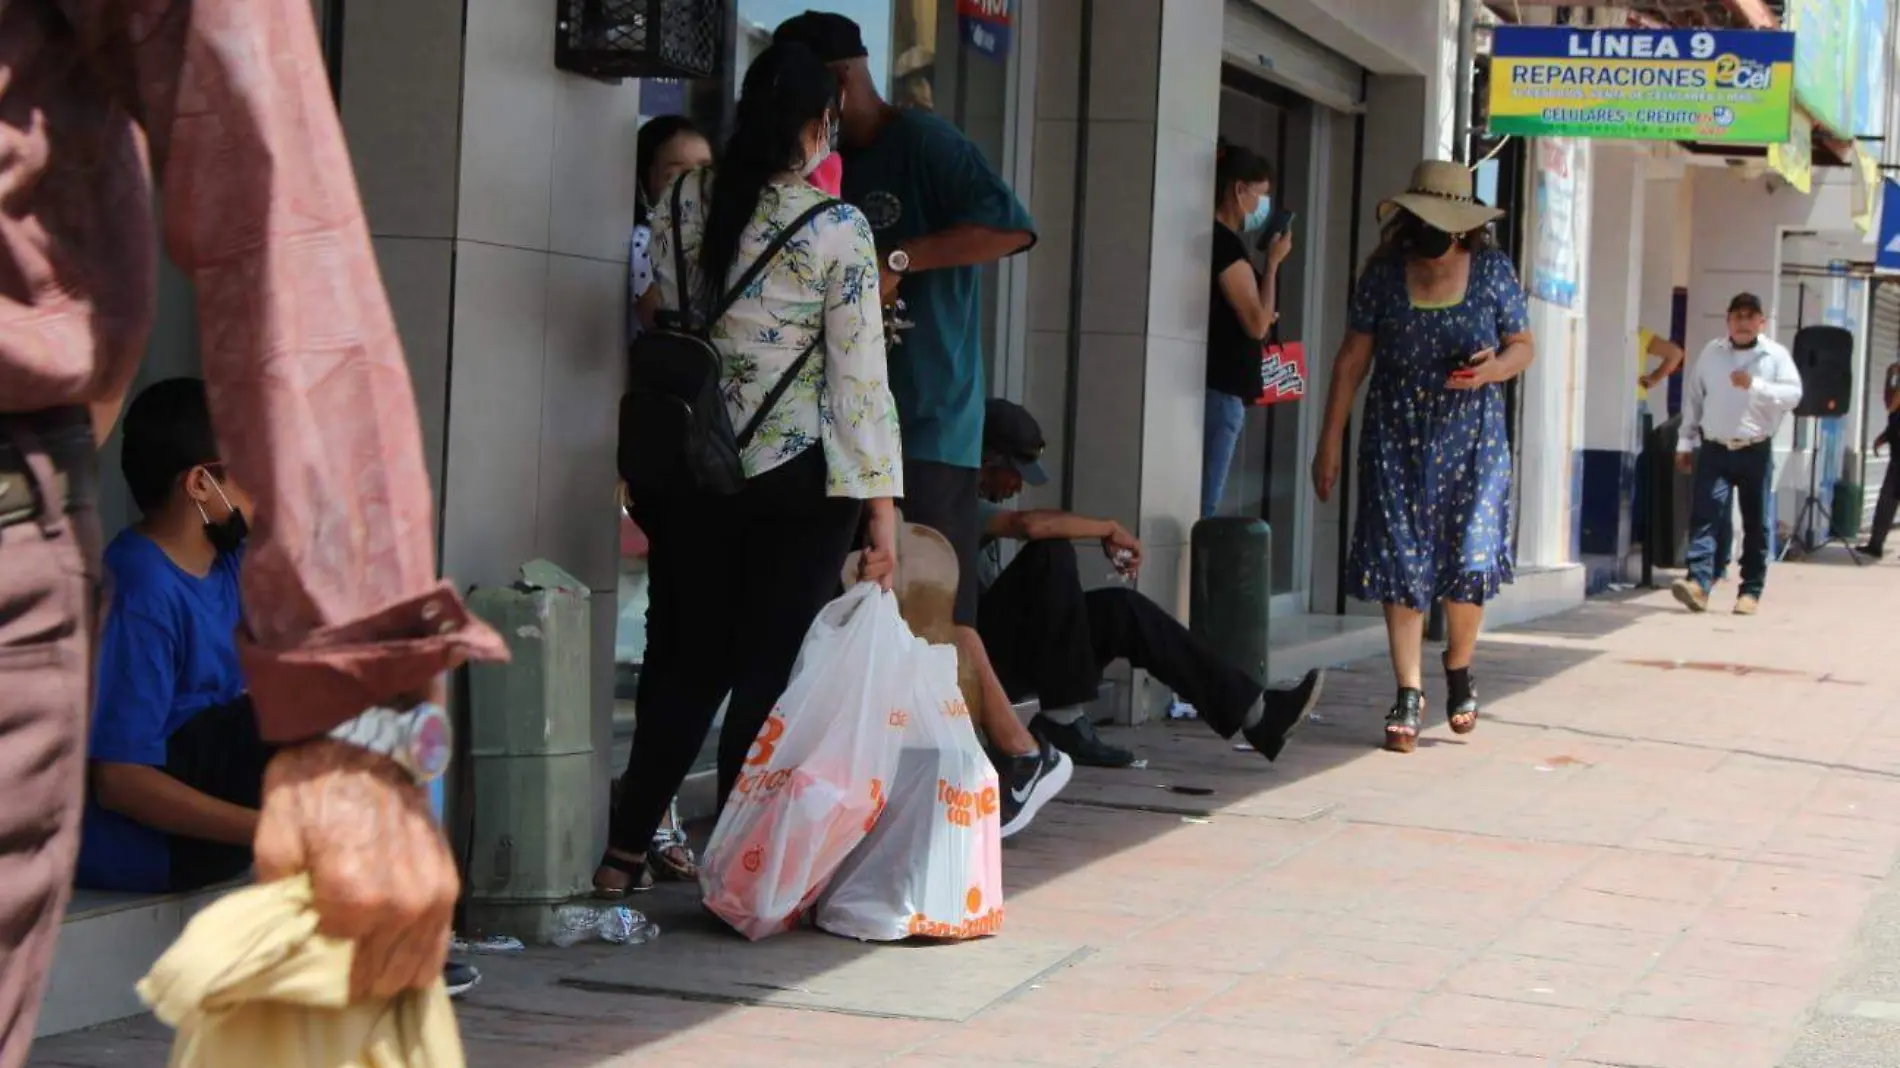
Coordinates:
(933, 865)
(816, 778)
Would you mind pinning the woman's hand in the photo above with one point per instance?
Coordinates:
(1325, 469)
(1279, 249)
(878, 562)
(1481, 370)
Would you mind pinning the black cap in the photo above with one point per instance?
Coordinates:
(1747, 302)
(832, 37)
(1011, 432)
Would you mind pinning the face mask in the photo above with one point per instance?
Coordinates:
(818, 157)
(1260, 214)
(226, 536)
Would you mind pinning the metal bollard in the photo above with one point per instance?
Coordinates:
(531, 754)
(1230, 588)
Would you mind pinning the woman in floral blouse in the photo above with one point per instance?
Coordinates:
(736, 581)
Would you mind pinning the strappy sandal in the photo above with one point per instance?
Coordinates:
(637, 871)
(671, 858)
(1461, 701)
(1401, 723)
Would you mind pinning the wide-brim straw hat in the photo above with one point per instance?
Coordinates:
(1440, 193)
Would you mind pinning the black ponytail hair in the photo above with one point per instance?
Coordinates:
(654, 136)
(1236, 164)
(785, 89)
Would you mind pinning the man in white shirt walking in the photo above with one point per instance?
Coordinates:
(1733, 400)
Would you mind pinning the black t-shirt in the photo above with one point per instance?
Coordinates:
(1233, 357)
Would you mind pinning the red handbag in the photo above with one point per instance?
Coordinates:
(1282, 370)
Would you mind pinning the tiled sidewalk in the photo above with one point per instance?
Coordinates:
(1656, 851)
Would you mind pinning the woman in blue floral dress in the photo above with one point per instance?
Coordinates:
(1439, 323)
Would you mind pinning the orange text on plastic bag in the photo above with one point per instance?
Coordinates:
(964, 807)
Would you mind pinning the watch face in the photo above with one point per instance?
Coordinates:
(430, 745)
(899, 261)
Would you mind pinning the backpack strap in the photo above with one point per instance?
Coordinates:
(765, 258)
(778, 391)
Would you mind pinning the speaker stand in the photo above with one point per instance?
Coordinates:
(1811, 509)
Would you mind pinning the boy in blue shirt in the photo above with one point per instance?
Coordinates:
(175, 763)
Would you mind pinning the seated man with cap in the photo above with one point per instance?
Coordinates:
(1050, 638)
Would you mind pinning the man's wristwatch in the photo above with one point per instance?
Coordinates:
(898, 261)
(419, 739)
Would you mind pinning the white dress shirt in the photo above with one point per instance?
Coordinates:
(1714, 409)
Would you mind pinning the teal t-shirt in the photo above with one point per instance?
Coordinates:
(922, 176)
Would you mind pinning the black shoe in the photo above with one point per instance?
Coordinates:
(1871, 551)
(460, 978)
(1029, 782)
(1286, 711)
(1080, 741)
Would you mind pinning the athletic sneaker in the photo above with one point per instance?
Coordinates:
(1028, 782)
(1080, 741)
(1283, 712)
(460, 978)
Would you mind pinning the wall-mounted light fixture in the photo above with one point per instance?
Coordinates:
(615, 39)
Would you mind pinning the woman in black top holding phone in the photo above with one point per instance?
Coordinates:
(1241, 311)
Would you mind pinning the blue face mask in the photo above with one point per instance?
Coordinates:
(1260, 214)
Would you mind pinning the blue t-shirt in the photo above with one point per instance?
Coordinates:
(168, 652)
(922, 176)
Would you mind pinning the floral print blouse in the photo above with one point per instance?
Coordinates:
(824, 282)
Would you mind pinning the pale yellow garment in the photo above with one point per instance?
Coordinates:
(250, 984)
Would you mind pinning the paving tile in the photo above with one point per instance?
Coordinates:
(1618, 912)
(1212, 1045)
(1307, 1006)
(1388, 1054)
(1579, 943)
(1032, 1033)
(1641, 1042)
(1727, 957)
(1135, 990)
(1713, 1000)
(1389, 965)
(1542, 981)
(1486, 1025)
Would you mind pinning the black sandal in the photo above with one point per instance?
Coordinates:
(1401, 723)
(1461, 701)
(638, 873)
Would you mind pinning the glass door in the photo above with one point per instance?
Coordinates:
(1268, 474)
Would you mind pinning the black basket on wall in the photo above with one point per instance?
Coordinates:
(639, 38)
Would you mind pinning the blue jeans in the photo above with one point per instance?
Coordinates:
(1721, 475)
(1226, 418)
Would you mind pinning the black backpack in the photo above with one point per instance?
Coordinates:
(675, 435)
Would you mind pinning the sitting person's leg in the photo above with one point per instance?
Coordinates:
(1035, 625)
(1124, 624)
(218, 753)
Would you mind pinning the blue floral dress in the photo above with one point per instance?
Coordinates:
(1434, 517)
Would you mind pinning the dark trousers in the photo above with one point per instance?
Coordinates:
(1048, 637)
(217, 752)
(1722, 473)
(735, 584)
(1884, 508)
(49, 599)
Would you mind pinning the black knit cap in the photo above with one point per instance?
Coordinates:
(832, 37)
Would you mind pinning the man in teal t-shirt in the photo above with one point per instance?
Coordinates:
(940, 212)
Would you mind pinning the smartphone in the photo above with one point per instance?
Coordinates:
(1280, 222)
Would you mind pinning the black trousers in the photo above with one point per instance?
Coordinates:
(1885, 507)
(216, 752)
(1048, 637)
(735, 584)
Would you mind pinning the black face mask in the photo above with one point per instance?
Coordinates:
(226, 535)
